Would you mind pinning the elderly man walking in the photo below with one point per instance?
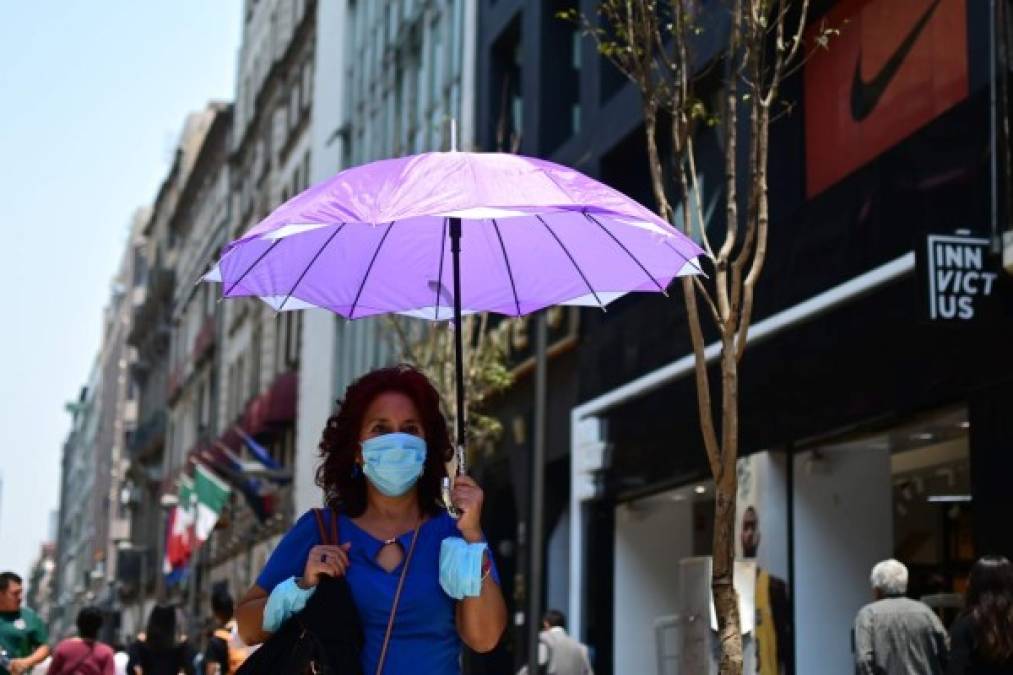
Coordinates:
(558, 653)
(896, 635)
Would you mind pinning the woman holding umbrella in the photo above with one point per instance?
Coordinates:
(423, 583)
(433, 236)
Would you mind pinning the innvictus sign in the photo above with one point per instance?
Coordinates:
(957, 266)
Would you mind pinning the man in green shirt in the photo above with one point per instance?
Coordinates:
(23, 635)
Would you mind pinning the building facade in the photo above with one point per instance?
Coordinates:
(93, 516)
(152, 463)
(258, 361)
(76, 565)
(870, 426)
(200, 224)
(40, 582)
(94, 513)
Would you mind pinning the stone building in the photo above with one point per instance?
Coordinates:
(259, 356)
(150, 471)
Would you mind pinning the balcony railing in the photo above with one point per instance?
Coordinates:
(149, 317)
(148, 436)
(131, 566)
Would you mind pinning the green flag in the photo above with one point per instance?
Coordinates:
(212, 494)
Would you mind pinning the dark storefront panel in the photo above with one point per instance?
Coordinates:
(991, 416)
(869, 361)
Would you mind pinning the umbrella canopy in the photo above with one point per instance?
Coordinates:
(375, 239)
(440, 234)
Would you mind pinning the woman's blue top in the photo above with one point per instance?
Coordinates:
(425, 638)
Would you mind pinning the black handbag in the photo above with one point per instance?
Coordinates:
(325, 638)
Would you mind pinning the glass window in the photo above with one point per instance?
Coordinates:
(456, 35)
(436, 59)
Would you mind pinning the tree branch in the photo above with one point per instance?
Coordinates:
(705, 294)
(731, 161)
(703, 389)
(762, 222)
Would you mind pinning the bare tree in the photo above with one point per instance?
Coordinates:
(652, 43)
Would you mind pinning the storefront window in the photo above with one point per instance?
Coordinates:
(932, 508)
(901, 491)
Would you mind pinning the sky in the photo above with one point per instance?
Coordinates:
(92, 101)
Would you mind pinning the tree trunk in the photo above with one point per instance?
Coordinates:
(726, 604)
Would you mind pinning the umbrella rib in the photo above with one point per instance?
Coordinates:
(628, 252)
(572, 260)
(506, 259)
(689, 261)
(250, 268)
(305, 271)
(439, 275)
(362, 284)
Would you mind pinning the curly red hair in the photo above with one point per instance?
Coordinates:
(344, 488)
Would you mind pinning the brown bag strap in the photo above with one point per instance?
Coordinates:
(397, 599)
(324, 539)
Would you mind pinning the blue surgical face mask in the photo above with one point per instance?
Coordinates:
(393, 462)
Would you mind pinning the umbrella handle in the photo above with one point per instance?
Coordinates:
(452, 510)
(447, 485)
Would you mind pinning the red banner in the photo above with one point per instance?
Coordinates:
(896, 65)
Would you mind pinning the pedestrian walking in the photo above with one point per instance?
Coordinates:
(160, 652)
(120, 659)
(23, 636)
(422, 582)
(84, 654)
(981, 639)
(896, 635)
(224, 654)
(558, 653)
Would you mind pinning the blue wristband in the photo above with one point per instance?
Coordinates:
(285, 600)
(461, 567)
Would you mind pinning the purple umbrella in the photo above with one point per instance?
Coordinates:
(444, 233)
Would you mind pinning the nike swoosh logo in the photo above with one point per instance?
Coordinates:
(865, 95)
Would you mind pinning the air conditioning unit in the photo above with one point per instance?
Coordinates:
(1007, 251)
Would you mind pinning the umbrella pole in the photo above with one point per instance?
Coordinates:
(459, 432)
(455, 250)
(536, 539)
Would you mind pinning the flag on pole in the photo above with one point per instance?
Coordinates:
(257, 469)
(232, 473)
(259, 452)
(173, 574)
(212, 494)
(170, 526)
(180, 542)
